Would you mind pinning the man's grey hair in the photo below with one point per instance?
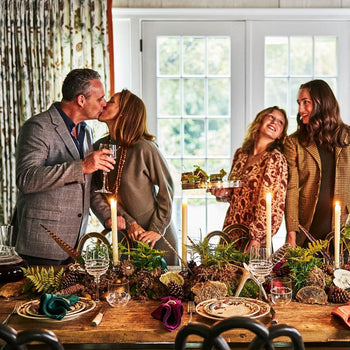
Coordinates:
(78, 82)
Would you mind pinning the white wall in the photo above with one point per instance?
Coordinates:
(231, 3)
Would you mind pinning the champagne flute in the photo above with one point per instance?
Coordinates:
(260, 265)
(96, 263)
(112, 148)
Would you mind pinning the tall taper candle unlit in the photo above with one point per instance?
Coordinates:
(337, 212)
(184, 230)
(268, 221)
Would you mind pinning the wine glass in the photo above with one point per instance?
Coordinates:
(96, 263)
(112, 148)
(260, 265)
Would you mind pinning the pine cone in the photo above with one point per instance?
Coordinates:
(175, 290)
(70, 278)
(338, 295)
(192, 264)
(328, 269)
(127, 268)
(144, 280)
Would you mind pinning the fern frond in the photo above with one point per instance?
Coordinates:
(44, 280)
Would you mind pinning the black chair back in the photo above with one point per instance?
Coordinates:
(212, 338)
(18, 341)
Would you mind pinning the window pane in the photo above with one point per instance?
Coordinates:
(169, 136)
(294, 88)
(189, 164)
(218, 56)
(301, 55)
(216, 214)
(169, 97)
(325, 56)
(194, 137)
(276, 92)
(194, 96)
(196, 209)
(215, 165)
(175, 171)
(168, 55)
(218, 138)
(218, 97)
(276, 55)
(193, 56)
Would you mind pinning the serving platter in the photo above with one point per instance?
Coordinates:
(31, 310)
(264, 308)
(213, 184)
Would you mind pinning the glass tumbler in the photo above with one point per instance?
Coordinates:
(281, 290)
(118, 293)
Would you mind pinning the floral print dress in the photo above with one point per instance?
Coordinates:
(269, 173)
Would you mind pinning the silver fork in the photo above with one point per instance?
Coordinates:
(191, 308)
(13, 312)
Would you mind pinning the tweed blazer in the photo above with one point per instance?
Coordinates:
(304, 166)
(53, 190)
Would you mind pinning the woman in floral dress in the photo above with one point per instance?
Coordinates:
(262, 167)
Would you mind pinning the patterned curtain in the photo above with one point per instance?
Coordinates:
(40, 42)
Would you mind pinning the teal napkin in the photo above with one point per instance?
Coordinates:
(55, 306)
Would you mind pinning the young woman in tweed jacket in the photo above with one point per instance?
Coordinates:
(318, 156)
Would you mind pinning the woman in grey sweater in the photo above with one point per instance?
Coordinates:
(141, 180)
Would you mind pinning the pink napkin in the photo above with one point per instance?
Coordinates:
(343, 312)
(169, 312)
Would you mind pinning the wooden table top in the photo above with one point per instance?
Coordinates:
(133, 324)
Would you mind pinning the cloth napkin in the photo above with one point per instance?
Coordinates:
(169, 312)
(343, 312)
(55, 306)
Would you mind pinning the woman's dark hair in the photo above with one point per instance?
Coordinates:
(325, 126)
(253, 131)
(78, 82)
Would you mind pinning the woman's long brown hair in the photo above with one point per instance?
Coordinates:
(130, 123)
(325, 125)
(253, 131)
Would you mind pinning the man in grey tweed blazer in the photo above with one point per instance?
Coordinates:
(54, 165)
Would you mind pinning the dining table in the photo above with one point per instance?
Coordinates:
(133, 327)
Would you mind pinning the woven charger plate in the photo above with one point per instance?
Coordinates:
(264, 309)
